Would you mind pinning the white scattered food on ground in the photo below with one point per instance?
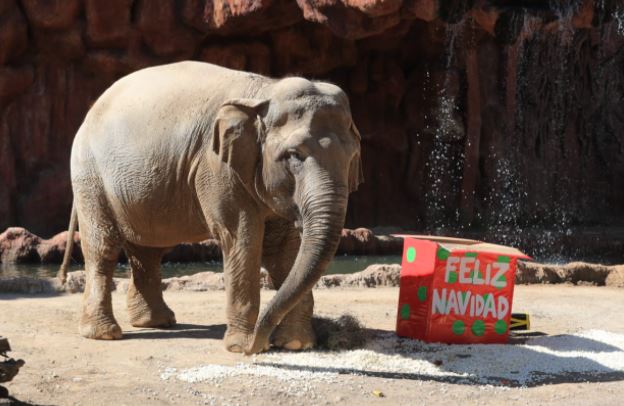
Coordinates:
(215, 373)
(539, 360)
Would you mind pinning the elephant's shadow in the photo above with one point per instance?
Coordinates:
(185, 330)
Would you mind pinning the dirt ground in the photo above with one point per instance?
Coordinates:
(64, 369)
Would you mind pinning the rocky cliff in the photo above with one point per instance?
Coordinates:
(472, 112)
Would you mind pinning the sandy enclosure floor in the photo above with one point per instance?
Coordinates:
(580, 360)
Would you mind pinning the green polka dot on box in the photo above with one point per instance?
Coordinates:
(500, 327)
(422, 293)
(478, 328)
(443, 254)
(405, 311)
(458, 327)
(410, 255)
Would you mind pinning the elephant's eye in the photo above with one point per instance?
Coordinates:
(295, 160)
(294, 154)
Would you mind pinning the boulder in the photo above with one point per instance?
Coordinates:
(363, 241)
(18, 245)
(53, 250)
(76, 282)
(615, 278)
(573, 272)
(30, 286)
(198, 282)
(372, 277)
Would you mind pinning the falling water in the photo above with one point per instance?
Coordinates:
(508, 213)
(564, 13)
(444, 163)
(619, 19)
(513, 211)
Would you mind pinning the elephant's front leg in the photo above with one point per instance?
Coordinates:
(281, 245)
(241, 263)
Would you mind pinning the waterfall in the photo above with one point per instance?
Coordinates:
(538, 77)
(444, 164)
(618, 15)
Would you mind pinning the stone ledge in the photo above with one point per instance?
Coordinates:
(378, 275)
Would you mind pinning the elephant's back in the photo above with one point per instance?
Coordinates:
(185, 76)
(173, 89)
(162, 107)
(143, 136)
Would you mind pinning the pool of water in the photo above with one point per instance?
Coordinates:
(340, 264)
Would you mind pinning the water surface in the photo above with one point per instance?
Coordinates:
(340, 264)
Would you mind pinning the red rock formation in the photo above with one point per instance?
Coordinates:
(18, 245)
(540, 90)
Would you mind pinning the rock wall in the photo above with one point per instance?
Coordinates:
(478, 113)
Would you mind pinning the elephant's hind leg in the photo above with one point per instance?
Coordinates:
(101, 253)
(281, 244)
(146, 306)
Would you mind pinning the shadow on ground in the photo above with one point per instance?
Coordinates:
(214, 332)
(16, 402)
(528, 361)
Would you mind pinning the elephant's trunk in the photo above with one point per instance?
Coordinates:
(323, 212)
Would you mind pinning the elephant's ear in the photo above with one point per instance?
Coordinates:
(237, 136)
(356, 175)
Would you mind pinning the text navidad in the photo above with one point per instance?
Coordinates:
(467, 271)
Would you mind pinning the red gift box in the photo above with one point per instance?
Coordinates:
(456, 291)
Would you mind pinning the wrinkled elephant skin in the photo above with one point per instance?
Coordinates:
(188, 151)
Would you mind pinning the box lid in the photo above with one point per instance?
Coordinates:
(451, 243)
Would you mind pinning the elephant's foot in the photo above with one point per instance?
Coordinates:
(103, 328)
(294, 336)
(238, 341)
(143, 316)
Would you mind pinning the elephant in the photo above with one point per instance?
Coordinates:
(189, 151)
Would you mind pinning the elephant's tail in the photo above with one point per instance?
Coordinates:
(73, 222)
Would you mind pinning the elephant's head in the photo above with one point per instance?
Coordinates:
(297, 151)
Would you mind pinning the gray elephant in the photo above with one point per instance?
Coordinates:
(189, 151)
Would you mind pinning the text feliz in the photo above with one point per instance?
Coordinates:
(462, 303)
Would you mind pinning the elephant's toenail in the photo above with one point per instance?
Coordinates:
(235, 348)
(293, 345)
